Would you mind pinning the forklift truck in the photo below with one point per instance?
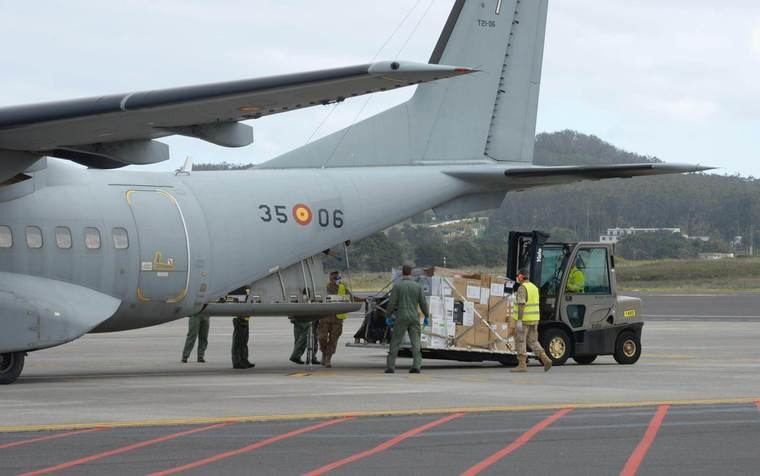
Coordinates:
(581, 323)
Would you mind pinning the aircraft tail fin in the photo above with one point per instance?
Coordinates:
(486, 116)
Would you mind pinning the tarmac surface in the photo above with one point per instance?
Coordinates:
(124, 404)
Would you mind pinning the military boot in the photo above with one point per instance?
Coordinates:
(521, 366)
(546, 361)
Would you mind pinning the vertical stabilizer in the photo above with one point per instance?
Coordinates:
(492, 113)
(489, 115)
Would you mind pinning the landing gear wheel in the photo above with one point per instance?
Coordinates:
(556, 343)
(11, 365)
(584, 359)
(627, 348)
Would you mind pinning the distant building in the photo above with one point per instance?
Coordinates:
(616, 234)
(716, 256)
(703, 239)
(464, 228)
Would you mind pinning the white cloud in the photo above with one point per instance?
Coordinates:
(755, 39)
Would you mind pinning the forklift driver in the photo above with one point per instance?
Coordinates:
(576, 281)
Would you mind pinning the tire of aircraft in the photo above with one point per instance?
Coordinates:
(584, 359)
(11, 365)
(627, 348)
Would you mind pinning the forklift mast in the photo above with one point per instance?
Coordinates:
(526, 250)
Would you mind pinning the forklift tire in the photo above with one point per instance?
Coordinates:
(11, 365)
(584, 359)
(556, 344)
(627, 348)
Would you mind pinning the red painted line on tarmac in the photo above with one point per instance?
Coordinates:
(123, 449)
(48, 438)
(382, 446)
(246, 449)
(518, 443)
(638, 455)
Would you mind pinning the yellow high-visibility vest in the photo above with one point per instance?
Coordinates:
(532, 312)
(576, 282)
(342, 291)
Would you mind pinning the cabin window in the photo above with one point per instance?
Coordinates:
(63, 237)
(120, 239)
(33, 237)
(92, 238)
(6, 237)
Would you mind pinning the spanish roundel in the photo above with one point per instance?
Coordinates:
(302, 214)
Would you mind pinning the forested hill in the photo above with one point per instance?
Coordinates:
(699, 204)
(573, 148)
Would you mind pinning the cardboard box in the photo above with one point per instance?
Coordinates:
(438, 343)
(435, 305)
(478, 297)
(465, 336)
(448, 308)
(500, 312)
(483, 336)
(449, 273)
(482, 310)
(450, 329)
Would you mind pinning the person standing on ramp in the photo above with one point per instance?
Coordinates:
(197, 328)
(240, 336)
(406, 297)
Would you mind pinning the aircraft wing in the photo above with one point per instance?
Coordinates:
(117, 130)
(520, 178)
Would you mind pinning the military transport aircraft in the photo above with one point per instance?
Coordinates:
(102, 250)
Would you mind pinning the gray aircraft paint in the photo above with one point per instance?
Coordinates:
(194, 238)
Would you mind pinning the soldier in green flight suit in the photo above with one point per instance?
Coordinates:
(300, 335)
(240, 335)
(406, 297)
(197, 328)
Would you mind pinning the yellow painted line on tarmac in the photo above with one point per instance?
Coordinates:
(377, 413)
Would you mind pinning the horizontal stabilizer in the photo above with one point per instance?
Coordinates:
(520, 178)
(286, 309)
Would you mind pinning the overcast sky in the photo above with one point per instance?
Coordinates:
(677, 79)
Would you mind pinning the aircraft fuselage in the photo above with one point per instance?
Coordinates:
(165, 245)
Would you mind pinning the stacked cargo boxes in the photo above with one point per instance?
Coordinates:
(467, 310)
